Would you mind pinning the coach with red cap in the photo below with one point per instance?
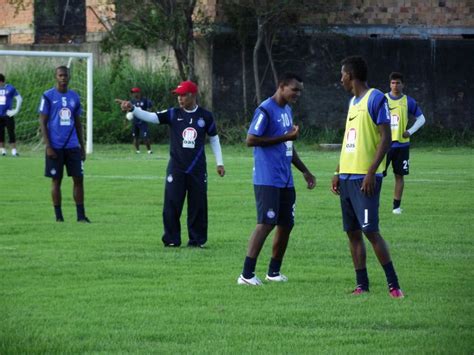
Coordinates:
(186, 173)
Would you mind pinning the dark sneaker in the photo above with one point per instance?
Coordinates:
(60, 219)
(84, 220)
(171, 245)
(396, 293)
(200, 246)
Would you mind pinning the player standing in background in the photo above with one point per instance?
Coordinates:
(7, 119)
(187, 171)
(272, 133)
(139, 127)
(401, 107)
(60, 123)
(358, 177)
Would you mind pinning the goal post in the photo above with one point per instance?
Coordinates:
(88, 87)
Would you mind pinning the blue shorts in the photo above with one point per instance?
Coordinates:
(71, 158)
(275, 206)
(140, 130)
(399, 157)
(359, 211)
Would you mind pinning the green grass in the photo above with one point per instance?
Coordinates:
(111, 287)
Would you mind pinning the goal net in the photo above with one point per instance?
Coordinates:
(32, 73)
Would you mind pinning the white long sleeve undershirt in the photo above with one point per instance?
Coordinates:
(420, 121)
(216, 149)
(151, 117)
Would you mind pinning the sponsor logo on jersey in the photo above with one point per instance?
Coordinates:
(189, 137)
(351, 140)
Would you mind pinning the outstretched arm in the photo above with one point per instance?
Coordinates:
(137, 112)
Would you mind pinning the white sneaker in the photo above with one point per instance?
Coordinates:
(278, 278)
(397, 211)
(254, 281)
(138, 152)
(150, 152)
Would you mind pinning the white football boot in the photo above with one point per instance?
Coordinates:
(278, 278)
(254, 281)
(397, 211)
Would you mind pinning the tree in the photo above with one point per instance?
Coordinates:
(152, 22)
(268, 18)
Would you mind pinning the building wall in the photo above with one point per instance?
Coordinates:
(441, 82)
(17, 25)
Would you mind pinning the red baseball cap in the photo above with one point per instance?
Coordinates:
(135, 90)
(186, 87)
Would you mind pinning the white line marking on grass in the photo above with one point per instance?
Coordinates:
(125, 177)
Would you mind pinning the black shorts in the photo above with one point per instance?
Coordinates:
(275, 206)
(359, 211)
(71, 158)
(9, 123)
(399, 157)
(140, 130)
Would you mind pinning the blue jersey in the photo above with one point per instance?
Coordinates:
(378, 110)
(145, 105)
(188, 132)
(272, 164)
(7, 93)
(62, 110)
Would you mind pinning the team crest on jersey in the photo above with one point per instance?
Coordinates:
(271, 213)
(351, 140)
(65, 117)
(72, 103)
(201, 122)
(169, 178)
(189, 137)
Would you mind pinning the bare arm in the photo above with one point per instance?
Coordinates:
(368, 184)
(43, 120)
(298, 163)
(80, 136)
(257, 141)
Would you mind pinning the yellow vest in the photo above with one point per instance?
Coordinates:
(361, 139)
(398, 117)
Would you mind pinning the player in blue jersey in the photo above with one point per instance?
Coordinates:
(186, 173)
(140, 127)
(60, 123)
(358, 177)
(7, 115)
(402, 107)
(272, 133)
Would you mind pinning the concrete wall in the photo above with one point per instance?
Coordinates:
(438, 74)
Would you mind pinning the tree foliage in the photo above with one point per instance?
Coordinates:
(153, 22)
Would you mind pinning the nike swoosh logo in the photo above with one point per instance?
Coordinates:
(351, 118)
(180, 119)
(365, 225)
(391, 108)
(55, 102)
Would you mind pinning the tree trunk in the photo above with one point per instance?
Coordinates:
(244, 79)
(269, 37)
(258, 43)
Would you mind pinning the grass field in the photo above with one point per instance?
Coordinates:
(111, 287)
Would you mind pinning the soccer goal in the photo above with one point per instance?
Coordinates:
(32, 73)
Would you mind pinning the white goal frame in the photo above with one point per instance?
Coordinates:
(89, 58)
